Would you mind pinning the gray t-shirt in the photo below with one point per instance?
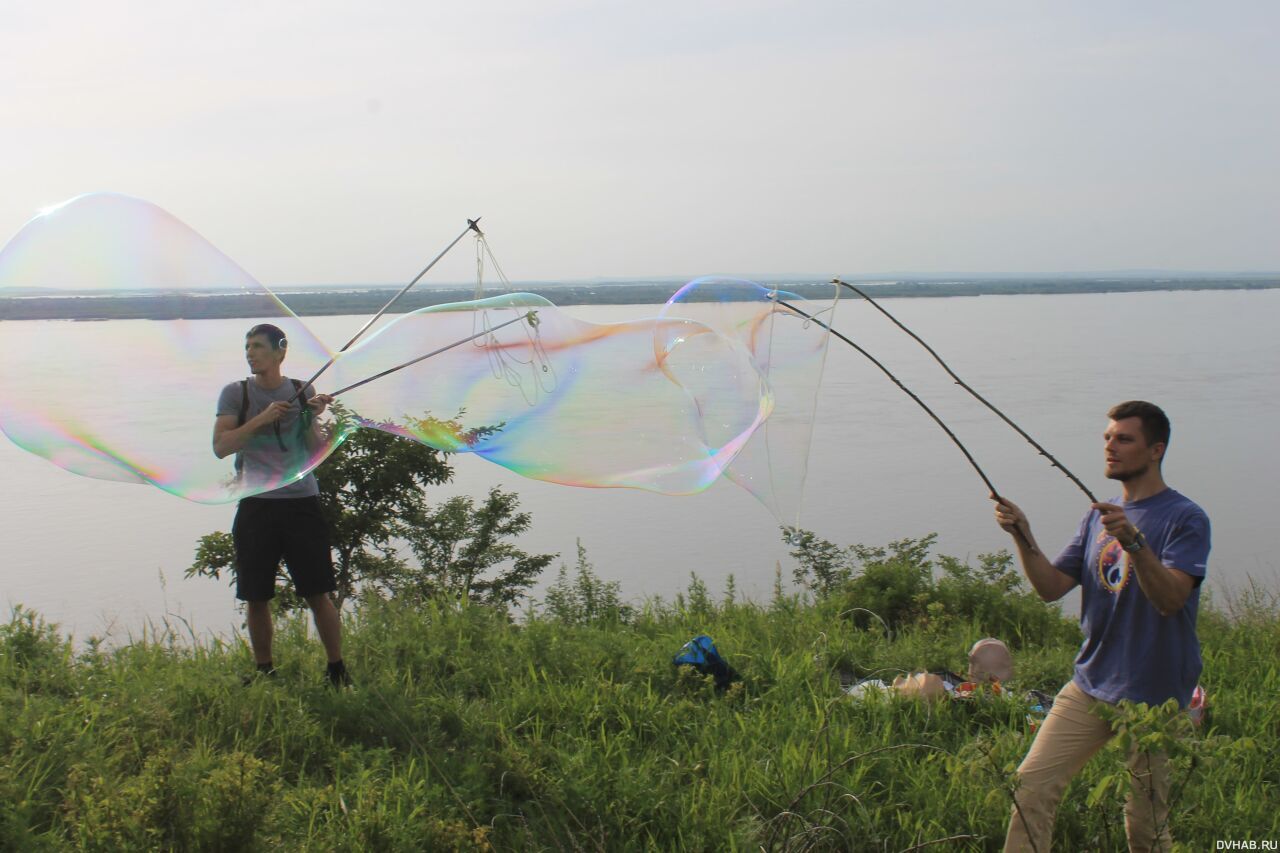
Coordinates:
(262, 458)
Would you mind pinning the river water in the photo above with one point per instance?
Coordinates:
(107, 559)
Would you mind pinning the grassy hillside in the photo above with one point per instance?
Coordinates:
(572, 730)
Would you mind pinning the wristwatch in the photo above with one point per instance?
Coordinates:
(1139, 542)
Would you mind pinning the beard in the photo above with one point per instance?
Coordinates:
(1125, 476)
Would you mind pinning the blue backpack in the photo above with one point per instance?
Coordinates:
(701, 654)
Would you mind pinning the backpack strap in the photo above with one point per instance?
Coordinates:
(244, 412)
(304, 413)
(244, 415)
(244, 398)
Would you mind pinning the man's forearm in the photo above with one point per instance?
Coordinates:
(234, 439)
(1160, 584)
(231, 441)
(1049, 583)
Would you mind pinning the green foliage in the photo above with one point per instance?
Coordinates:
(895, 586)
(180, 800)
(730, 592)
(470, 731)
(215, 554)
(585, 598)
(891, 580)
(821, 566)
(368, 486)
(695, 602)
(995, 597)
(458, 545)
(33, 655)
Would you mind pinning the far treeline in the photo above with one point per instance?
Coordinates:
(210, 306)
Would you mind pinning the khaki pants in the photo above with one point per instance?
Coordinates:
(1070, 736)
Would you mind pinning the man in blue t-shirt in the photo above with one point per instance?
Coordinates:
(1139, 561)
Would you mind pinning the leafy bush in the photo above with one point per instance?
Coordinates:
(195, 801)
(896, 585)
(33, 655)
(994, 597)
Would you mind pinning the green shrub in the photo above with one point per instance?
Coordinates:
(185, 801)
(585, 598)
(994, 597)
(895, 586)
(33, 655)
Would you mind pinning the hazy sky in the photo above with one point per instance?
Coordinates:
(348, 142)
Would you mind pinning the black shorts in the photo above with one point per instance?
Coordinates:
(269, 529)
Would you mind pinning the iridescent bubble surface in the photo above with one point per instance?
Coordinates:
(666, 403)
(542, 398)
(108, 244)
(787, 354)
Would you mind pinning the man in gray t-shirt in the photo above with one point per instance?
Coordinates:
(260, 421)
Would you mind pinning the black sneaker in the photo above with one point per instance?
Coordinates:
(337, 675)
(264, 670)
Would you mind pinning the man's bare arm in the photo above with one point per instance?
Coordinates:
(229, 438)
(1049, 583)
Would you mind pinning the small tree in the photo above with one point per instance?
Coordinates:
(368, 487)
(822, 567)
(458, 544)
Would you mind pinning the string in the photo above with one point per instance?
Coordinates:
(503, 364)
(471, 226)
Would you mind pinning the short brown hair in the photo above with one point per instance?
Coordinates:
(273, 334)
(1155, 423)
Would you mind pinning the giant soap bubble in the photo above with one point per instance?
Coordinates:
(552, 397)
(787, 353)
(100, 418)
(669, 404)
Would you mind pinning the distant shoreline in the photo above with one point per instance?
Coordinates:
(191, 306)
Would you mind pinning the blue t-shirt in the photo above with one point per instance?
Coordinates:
(1130, 651)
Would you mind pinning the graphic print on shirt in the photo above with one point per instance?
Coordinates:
(1113, 563)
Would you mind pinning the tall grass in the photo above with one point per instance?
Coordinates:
(468, 730)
